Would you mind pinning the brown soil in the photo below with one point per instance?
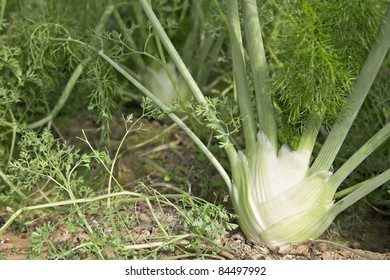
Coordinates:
(230, 247)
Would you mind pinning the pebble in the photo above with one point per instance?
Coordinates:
(144, 218)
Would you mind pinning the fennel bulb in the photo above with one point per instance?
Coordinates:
(277, 201)
(166, 84)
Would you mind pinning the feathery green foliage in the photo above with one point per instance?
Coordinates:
(320, 47)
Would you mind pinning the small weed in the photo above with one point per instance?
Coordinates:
(209, 220)
(104, 224)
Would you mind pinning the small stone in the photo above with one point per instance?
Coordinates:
(237, 236)
(301, 250)
(285, 249)
(144, 218)
(355, 245)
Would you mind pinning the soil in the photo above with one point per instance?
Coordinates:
(370, 241)
(233, 246)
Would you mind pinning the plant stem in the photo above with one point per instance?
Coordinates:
(63, 98)
(165, 65)
(114, 161)
(172, 51)
(240, 76)
(346, 191)
(379, 138)
(196, 15)
(209, 51)
(176, 119)
(155, 218)
(309, 134)
(156, 136)
(14, 134)
(261, 80)
(2, 11)
(363, 84)
(136, 197)
(74, 77)
(129, 40)
(11, 185)
(231, 152)
(362, 189)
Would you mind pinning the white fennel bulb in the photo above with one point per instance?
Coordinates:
(276, 201)
(160, 84)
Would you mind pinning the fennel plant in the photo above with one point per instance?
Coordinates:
(282, 190)
(282, 195)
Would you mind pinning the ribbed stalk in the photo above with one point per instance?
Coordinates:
(240, 75)
(310, 133)
(261, 80)
(362, 189)
(379, 138)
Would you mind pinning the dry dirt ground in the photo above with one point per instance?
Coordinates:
(231, 247)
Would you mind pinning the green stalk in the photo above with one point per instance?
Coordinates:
(363, 84)
(73, 78)
(11, 185)
(136, 197)
(261, 80)
(362, 189)
(63, 98)
(165, 64)
(231, 152)
(140, 20)
(346, 191)
(14, 135)
(114, 161)
(310, 133)
(379, 138)
(2, 11)
(211, 48)
(129, 39)
(172, 51)
(189, 45)
(240, 76)
(176, 119)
